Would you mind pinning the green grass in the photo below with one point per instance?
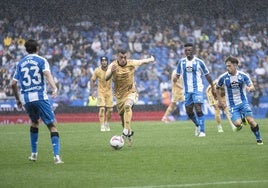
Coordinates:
(162, 156)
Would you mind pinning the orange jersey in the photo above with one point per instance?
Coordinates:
(104, 87)
(123, 78)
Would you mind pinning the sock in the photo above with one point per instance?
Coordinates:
(34, 139)
(256, 132)
(55, 140)
(201, 121)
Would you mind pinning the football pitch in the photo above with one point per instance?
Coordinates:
(162, 156)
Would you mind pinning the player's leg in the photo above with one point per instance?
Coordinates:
(190, 113)
(189, 106)
(108, 116)
(218, 118)
(168, 111)
(109, 110)
(128, 115)
(228, 116)
(102, 117)
(48, 117)
(200, 118)
(236, 118)
(128, 104)
(253, 124)
(33, 113)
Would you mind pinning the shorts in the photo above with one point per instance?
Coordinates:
(40, 109)
(106, 101)
(177, 97)
(239, 110)
(193, 98)
(133, 97)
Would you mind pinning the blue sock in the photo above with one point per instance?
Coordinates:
(201, 120)
(34, 139)
(256, 132)
(55, 140)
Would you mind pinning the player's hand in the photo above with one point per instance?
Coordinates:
(250, 89)
(54, 93)
(152, 58)
(93, 96)
(114, 67)
(19, 104)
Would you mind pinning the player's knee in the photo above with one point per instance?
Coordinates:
(199, 113)
(33, 129)
(101, 111)
(110, 110)
(127, 108)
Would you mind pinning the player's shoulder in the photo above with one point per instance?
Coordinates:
(223, 75)
(243, 74)
(199, 60)
(36, 57)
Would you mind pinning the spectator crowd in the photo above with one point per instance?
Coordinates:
(74, 41)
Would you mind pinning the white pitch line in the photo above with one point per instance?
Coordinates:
(198, 184)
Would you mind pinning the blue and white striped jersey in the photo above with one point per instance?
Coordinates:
(29, 74)
(235, 87)
(192, 72)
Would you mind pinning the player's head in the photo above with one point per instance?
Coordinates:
(104, 61)
(232, 60)
(189, 50)
(31, 46)
(231, 64)
(122, 57)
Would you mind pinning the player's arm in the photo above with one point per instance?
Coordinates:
(144, 61)
(92, 84)
(178, 82)
(51, 82)
(219, 93)
(210, 81)
(16, 93)
(250, 88)
(108, 73)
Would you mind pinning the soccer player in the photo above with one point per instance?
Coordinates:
(31, 75)
(192, 68)
(236, 84)
(105, 94)
(177, 96)
(214, 103)
(122, 72)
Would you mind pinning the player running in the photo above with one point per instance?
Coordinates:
(122, 72)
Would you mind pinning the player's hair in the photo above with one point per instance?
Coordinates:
(104, 58)
(31, 46)
(122, 51)
(232, 59)
(188, 45)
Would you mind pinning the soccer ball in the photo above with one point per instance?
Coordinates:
(117, 142)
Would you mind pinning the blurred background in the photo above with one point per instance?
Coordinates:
(73, 35)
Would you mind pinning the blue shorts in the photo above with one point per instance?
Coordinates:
(40, 109)
(193, 98)
(239, 110)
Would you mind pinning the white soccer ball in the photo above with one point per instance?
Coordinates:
(117, 142)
